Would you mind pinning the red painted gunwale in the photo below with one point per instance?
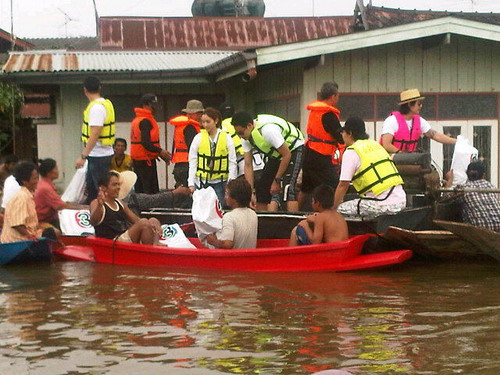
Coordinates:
(270, 256)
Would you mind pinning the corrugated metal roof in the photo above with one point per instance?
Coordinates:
(109, 61)
(237, 33)
(379, 17)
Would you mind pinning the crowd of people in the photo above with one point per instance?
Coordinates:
(261, 162)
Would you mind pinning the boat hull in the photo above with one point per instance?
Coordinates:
(271, 256)
(25, 252)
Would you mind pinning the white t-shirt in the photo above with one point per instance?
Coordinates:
(193, 158)
(351, 162)
(391, 125)
(240, 226)
(10, 188)
(272, 135)
(97, 117)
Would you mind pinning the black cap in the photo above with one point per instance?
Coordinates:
(149, 99)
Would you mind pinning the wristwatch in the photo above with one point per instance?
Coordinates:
(278, 180)
(84, 156)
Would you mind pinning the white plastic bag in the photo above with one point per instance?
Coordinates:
(75, 192)
(462, 156)
(206, 212)
(75, 222)
(173, 236)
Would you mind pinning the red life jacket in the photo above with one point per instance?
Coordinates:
(404, 139)
(318, 139)
(137, 150)
(181, 149)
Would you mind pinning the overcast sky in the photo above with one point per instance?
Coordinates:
(60, 18)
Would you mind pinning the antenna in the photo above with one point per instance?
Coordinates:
(67, 19)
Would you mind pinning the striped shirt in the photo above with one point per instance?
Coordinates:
(19, 211)
(481, 209)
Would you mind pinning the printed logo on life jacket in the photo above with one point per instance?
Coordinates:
(82, 218)
(168, 231)
(218, 208)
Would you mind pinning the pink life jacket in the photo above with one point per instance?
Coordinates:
(406, 139)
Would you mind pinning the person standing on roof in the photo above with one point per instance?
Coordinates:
(403, 128)
(98, 136)
(282, 143)
(145, 146)
(324, 144)
(187, 125)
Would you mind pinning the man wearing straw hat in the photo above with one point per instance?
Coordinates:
(187, 125)
(402, 129)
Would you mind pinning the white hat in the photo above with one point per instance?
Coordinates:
(127, 182)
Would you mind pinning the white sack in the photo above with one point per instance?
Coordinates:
(206, 212)
(172, 235)
(75, 192)
(75, 222)
(462, 156)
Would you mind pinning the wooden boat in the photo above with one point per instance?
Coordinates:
(279, 225)
(440, 244)
(25, 252)
(271, 255)
(484, 240)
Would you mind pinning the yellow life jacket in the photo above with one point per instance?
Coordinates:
(229, 129)
(291, 134)
(377, 172)
(107, 136)
(213, 164)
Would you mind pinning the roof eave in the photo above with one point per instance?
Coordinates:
(372, 38)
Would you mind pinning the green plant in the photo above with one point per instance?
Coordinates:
(11, 101)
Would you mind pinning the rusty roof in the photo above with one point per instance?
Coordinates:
(379, 17)
(199, 33)
(112, 61)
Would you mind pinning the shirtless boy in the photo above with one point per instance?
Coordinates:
(326, 225)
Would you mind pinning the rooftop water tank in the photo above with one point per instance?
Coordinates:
(228, 8)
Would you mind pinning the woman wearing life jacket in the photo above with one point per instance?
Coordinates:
(372, 172)
(212, 156)
(402, 129)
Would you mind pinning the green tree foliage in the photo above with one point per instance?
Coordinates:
(11, 100)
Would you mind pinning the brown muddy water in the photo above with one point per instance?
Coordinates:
(82, 318)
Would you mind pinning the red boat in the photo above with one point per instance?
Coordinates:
(270, 255)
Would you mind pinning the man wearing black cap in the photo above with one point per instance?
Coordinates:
(372, 172)
(145, 146)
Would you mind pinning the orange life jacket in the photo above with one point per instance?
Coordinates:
(181, 149)
(318, 139)
(137, 150)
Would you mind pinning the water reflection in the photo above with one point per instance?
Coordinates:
(92, 318)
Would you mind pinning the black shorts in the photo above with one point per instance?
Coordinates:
(289, 185)
(316, 170)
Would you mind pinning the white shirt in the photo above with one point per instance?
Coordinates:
(10, 188)
(272, 135)
(240, 226)
(194, 180)
(391, 125)
(97, 117)
(351, 162)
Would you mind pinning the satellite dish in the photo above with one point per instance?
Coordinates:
(228, 8)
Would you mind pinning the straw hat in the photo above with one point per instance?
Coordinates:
(410, 95)
(127, 182)
(193, 106)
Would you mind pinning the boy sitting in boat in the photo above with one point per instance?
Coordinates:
(112, 219)
(239, 226)
(326, 225)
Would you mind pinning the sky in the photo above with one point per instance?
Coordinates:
(70, 18)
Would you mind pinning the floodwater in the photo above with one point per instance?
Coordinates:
(83, 318)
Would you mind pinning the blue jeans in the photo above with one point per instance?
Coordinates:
(97, 168)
